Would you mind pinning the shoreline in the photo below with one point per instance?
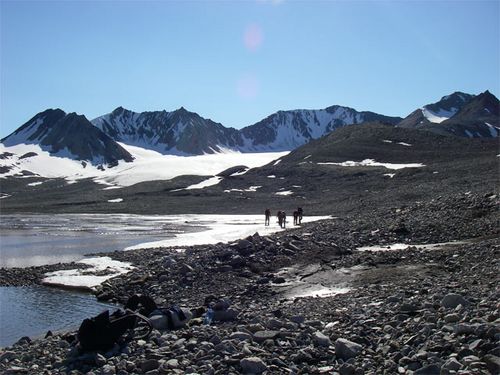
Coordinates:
(395, 318)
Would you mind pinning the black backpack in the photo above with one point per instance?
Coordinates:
(101, 332)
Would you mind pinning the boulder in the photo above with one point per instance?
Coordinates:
(432, 369)
(493, 363)
(241, 336)
(451, 365)
(320, 339)
(225, 315)
(261, 336)
(346, 349)
(252, 365)
(453, 300)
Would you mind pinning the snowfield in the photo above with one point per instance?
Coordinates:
(147, 165)
(373, 163)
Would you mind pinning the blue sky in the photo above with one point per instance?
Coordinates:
(236, 62)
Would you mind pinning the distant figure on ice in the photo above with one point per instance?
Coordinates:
(295, 217)
(282, 218)
(267, 213)
(300, 212)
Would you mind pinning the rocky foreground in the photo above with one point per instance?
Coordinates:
(421, 310)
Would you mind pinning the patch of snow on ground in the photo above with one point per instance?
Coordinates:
(85, 278)
(205, 183)
(277, 162)
(386, 141)
(116, 200)
(390, 175)
(35, 183)
(3, 195)
(271, 176)
(250, 189)
(404, 246)
(307, 157)
(404, 144)
(287, 192)
(221, 228)
(373, 163)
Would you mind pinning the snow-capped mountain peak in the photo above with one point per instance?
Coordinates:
(68, 135)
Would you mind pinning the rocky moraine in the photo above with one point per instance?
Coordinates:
(421, 310)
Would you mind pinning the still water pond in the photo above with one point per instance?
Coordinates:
(33, 240)
(32, 311)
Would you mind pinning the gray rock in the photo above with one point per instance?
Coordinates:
(16, 370)
(451, 365)
(493, 363)
(100, 360)
(252, 365)
(149, 364)
(464, 329)
(452, 318)
(299, 319)
(245, 247)
(347, 369)
(237, 261)
(346, 349)
(185, 268)
(431, 369)
(172, 363)
(225, 315)
(320, 339)
(7, 356)
(108, 370)
(453, 300)
(262, 336)
(241, 336)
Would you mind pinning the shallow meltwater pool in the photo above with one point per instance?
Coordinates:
(32, 311)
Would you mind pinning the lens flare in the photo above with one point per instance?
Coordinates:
(253, 37)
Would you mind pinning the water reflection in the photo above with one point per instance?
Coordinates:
(32, 311)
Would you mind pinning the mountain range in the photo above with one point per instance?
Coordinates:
(182, 132)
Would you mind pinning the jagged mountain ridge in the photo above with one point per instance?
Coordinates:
(479, 118)
(436, 112)
(287, 130)
(68, 135)
(183, 132)
(178, 132)
(458, 114)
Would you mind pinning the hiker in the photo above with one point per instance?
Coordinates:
(299, 210)
(282, 219)
(295, 217)
(267, 213)
(279, 215)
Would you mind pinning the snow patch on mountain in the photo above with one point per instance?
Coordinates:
(494, 131)
(438, 116)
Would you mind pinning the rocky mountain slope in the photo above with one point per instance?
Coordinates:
(179, 132)
(287, 130)
(351, 168)
(458, 114)
(186, 133)
(70, 136)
